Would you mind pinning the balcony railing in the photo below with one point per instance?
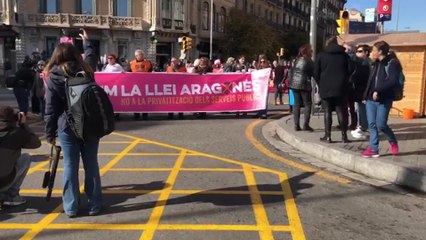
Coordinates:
(80, 20)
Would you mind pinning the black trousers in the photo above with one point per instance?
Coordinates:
(338, 104)
(302, 98)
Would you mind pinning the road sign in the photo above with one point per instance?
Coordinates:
(384, 10)
(384, 17)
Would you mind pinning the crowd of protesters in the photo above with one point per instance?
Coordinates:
(360, 90)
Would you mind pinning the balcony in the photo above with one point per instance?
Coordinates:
(79, 20)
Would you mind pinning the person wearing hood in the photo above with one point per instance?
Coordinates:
(14, 135)
(67, 62)
(332, 70)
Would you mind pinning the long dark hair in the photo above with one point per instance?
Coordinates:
(65, 55)
(305, 51)
(386, 50)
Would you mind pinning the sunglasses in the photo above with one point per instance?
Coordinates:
(110, 58)
(360, 51)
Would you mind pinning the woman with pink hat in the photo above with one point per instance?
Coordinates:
(217, 66)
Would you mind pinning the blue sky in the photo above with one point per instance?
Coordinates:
(412, 14)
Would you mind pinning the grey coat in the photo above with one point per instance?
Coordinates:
(301, 73)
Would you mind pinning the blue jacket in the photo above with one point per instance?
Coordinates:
(56, 103)
(381, 81)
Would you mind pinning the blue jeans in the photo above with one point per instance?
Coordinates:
(21, 166)
(22, 97)
(362, 115)
(377, 115)
(72, 149)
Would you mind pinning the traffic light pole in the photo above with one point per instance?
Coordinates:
(211, 30)
(313, 30)
(313, 42)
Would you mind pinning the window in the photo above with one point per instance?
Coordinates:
(122, 48)
(222, 19)
(51, 43)
(205, 16)
(48, 6)
(120, 8)
(167, 9)
(85, 7)
(179, 10)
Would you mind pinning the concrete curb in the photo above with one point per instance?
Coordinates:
(374, 168)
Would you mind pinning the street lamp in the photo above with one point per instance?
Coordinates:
(211, 30)
(313, 27)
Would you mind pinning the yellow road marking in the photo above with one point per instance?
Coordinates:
(258, 208)
(292, 213)
(267, 152)
(37, 167)
(165, 194)
(156, 192)
(138, 227)
(57, 211)
(145, 154)
(154, 219)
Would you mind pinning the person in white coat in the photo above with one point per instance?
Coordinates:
(112, 65)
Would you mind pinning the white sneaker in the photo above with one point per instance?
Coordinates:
(357, 133)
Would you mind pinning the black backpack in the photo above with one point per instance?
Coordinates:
(90, 113)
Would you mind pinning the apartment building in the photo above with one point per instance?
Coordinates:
(117, 26)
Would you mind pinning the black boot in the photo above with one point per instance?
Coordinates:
(308, 128)
(345, 137)
(326, 138)
(327, 122)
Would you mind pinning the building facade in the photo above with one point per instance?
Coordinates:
(122, 26)
(116, 26)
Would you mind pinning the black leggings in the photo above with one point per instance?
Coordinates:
(338, 104)
(302, 98)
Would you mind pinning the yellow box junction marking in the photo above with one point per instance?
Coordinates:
(262, 226)
(57, 211)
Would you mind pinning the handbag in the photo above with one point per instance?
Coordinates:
(317, 97)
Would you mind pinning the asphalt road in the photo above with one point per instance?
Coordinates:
(212, 179)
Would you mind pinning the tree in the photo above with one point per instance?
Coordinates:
(249, 35)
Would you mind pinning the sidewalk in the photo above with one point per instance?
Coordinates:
(408, 168)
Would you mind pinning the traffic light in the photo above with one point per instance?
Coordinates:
(188, 43)
(154, 39)
(184, 44)
(343, 22)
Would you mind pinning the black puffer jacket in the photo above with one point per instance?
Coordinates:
(301, 73)
(332, 70)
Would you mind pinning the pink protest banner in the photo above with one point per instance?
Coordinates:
(181, 92)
